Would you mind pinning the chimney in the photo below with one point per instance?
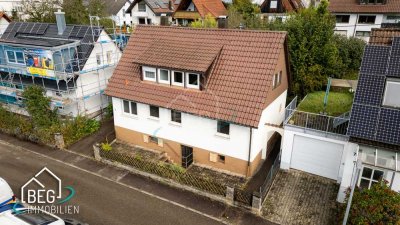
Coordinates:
(222, 22)
(60, 18)
(170, 5)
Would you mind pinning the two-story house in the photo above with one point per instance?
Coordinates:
(71, 62)
(191, 10)
(213, 97)
(356, 18)
(152, 12)
(4, 22)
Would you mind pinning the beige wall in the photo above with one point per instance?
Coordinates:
(200, 156)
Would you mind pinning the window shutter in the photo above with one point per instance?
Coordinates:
(160, 142)
(145, 138)
(213, 157)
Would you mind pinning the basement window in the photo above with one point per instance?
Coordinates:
(193, 80)
(153, 139)
(391, 97)
(221, 158)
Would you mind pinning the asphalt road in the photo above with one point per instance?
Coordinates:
(100, 201)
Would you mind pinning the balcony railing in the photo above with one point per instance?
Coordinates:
(316, 122)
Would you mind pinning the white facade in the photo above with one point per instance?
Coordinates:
(147, 17)
(122, 18)
(355, 28)
(3, 25)
(202, 132)
(8, 6)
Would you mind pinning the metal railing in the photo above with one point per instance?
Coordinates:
(264, 188)
(292, 106)
(316, 122)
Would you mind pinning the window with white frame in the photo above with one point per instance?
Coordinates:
(163, 76)
(142, 6)
(15, 57)
(370, 176)
(274, 4)
(392, 90)
(178, 78)
(130, 107)
(379, 157)
(176, 116)
(193, 80)
(277, 80)
(149, 74)
(223, 127)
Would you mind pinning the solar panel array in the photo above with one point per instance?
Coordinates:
(389, 126)
(375, 60)
(371, 120)
(367, 95)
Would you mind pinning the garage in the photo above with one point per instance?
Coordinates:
(316, 156)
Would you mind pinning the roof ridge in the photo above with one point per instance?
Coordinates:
(210, 29)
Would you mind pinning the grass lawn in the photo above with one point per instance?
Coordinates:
(338, 103)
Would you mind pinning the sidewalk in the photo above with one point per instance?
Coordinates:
(232, 215)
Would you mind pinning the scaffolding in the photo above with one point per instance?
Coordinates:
(69, 76)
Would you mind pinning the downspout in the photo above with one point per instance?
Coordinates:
(248, 160)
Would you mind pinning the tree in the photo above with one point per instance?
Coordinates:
(75, 12)
(96, 8)
(38, 107)
(245, 14)
(41, 11)
(377, 205)
(350, 52)
(208, 22)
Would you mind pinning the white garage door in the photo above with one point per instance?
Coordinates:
(317, 157)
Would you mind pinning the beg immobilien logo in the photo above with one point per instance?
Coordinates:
(44, 191)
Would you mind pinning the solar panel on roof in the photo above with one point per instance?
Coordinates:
(394, 66)
(363, 121)
(375, 59)
(395, 46)
(42, 28)
(82, 32)
(389, 126)
(370, 89)
(74, 31)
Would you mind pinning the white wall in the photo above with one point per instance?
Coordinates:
(8, 5)
(273, 114)
(148, 14)
(122, 17)
(396, 182)
(194, 131)
(3, 25)
(352, 26)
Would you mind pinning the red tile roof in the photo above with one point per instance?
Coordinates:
(238, 81)
(214, 7)
(353, 6)
(383, 36)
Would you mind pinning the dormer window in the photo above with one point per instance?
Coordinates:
(149, 74)
(163, 76)
(178, 78)
(192, 80)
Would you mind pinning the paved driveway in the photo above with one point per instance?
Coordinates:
(300, 198)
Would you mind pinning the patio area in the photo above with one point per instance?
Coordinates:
(300, 198)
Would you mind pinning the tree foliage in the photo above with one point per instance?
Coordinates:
(208, 22)
(41, 11)
(38, 107)
(75, 12)
(350, 52)
(245, 14)
(377, 205)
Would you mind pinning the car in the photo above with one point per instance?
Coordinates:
(6, 194)
(25, 216)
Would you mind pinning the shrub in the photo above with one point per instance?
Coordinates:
(377, 205)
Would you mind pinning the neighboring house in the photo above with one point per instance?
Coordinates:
(217, 101)
(72, 62)
(279, 9)
(117, 9)
(152, 12)
(4, 22)
(369, 136)
(191, 10)
(356, 18)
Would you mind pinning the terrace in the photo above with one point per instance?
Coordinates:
(310, 115)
